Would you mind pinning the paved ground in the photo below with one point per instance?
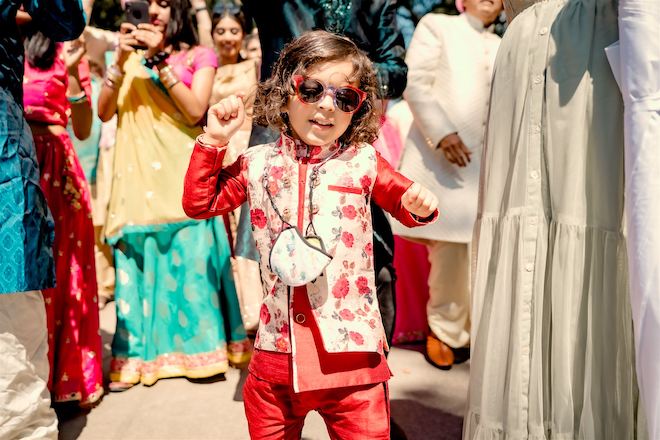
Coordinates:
(427, 403)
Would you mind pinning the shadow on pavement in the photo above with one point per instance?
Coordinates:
(238, 393)
(74, 417)
(421, 422)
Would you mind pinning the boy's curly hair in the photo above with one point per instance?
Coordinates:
(300, 56)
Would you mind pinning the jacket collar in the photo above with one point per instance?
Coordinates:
(477, 24)
(299, 150)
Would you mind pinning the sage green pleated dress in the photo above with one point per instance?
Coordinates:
(552, 348)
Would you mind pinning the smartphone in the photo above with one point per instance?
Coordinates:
(137, 11)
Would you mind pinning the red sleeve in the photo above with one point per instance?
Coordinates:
(209, 190)
(388, 190)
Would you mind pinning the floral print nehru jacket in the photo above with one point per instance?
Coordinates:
(343, 299)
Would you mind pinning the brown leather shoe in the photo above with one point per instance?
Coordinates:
(439, 354)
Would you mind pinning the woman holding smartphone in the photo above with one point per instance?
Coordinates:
(169, 268)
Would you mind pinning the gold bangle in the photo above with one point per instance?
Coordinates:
(165, 70)
(172, 84)
(168, 77)
(169, 81)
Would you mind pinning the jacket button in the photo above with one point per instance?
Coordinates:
(286, 213)
(315, 209)
(286, 181)
(300, 318)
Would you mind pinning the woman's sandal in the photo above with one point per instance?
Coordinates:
(117, 387)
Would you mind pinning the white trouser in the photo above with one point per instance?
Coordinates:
(25, 411)
(448, 309)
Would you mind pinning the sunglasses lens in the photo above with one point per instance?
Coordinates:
(310, 90)
(348, 100)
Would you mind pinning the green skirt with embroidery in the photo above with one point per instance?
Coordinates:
(177, 309)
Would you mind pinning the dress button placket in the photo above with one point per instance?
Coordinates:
(532, 211)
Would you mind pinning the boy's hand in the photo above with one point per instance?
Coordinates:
(419, 201)
(223, 120)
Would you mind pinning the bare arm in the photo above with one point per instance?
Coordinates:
(204, 24)
(192, 102)
(88, 5)
(208, 189)
(107, 105)
(78, 88)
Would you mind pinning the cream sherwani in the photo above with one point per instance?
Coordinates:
(639, 21)
(450, 62)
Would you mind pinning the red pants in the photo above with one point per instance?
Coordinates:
(275, 412)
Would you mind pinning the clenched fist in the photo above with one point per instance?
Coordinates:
(419, 201)
(223, 120)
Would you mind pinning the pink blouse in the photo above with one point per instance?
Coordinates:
(185, 64)
(44, 91)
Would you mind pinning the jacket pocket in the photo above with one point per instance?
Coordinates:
(345, 189)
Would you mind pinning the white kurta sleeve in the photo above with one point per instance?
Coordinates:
(424, 59)
(639, 30)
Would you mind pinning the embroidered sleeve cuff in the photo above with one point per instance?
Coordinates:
(425, 220)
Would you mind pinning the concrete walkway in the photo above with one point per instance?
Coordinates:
(426, 402)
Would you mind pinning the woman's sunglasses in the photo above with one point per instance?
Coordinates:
(346, 98)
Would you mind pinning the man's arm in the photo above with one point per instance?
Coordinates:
(424, 59)
(61, 20)
(388, 53)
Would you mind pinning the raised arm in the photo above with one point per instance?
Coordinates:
(204, 23)
(209, 190)
(107, 105)
(79, 91)
(193, 101)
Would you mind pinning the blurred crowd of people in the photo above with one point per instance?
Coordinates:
(521, 139)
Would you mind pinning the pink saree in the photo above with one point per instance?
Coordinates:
(74, 343)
